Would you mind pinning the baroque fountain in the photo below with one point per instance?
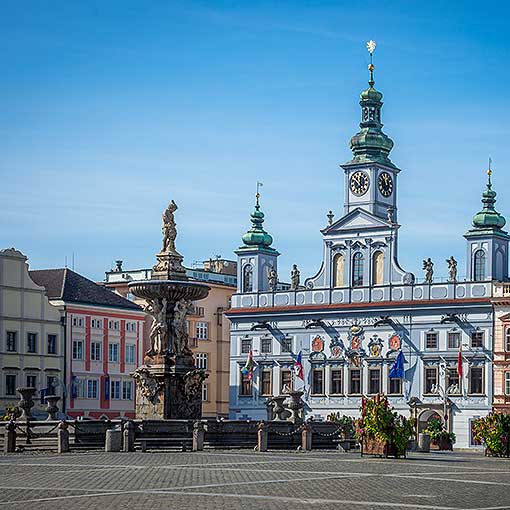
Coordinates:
(168, 386)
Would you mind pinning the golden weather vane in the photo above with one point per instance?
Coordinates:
(257, 195)
(371, 45)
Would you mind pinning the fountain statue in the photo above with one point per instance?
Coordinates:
(168, 386)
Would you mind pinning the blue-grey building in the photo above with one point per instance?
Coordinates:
(352, 318)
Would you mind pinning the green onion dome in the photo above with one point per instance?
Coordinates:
(257, 236)
(488, 217)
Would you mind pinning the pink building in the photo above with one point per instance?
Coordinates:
(103, 344)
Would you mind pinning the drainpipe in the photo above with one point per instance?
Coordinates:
(63, 322)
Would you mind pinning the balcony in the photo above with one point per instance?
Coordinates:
(501, 289)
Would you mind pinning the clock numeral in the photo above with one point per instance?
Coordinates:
(359, 183)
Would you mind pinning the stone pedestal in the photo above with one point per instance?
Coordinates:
(169, 388)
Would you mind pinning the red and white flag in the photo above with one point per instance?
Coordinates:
(459, 364)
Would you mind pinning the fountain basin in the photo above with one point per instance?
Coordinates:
(173, 290)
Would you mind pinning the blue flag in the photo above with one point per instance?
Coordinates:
(397, 369)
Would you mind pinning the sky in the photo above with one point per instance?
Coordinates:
(109, 110)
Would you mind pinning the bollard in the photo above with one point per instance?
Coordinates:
(63, 437)
(10, 437)
(306, 437)
(424, 443)
(262, 434)
(198, 436)
(128, 436)
(113, 440)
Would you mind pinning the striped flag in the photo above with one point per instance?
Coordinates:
(248, 367)
(298, 367)
(459, 363)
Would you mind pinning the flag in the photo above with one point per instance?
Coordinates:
(397, 369)
(459, 364)
(43, 393)
(248, 367)
(298, 367)
(74, 389)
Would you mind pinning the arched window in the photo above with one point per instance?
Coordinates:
(357, 270)
(378, 268)
(479, 266)
(507, 339)
(338, 270)
(247, 278)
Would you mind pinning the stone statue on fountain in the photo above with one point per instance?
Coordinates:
(168, 384)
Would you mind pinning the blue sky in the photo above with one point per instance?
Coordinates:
(108, 110)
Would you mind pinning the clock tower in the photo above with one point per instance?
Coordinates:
(370, 176)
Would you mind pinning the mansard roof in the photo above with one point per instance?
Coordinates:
(72, 287)
(358, 219)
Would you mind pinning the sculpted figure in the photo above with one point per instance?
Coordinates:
(428, 267)
(182, 308)
(159, 329)
(272, 278)
(452, 269)
(169, 228)
(294, 277)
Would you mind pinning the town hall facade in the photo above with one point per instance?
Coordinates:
(361, 309)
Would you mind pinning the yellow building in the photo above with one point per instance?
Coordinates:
(31, 335)
(208, 327)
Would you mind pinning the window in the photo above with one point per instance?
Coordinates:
(52, 344)
(338, 270)
(113, 325)
(131, 326)
(337, 386)
(394, 386)
(201, 360)
(205, 392)
(357, 270)
(130, 353)
(430, 379)
(78, 322)
(452, 381)
(287, 344)
(476, 381)
(92, 386)
(479, 266)
(127, 390)
(266, 345)
(31, 381)
(96, 323)
(245, 386)
(378, 268)
(113, 353)
(202, 329)
(507, 383)
(247, 278)
(115, 390)
(96, 349)
(507, 339)
(245, 345)
(79, 388)
(77, 349)
(286, 381)
(317, 381)
(11, 344)
(374, 381)
(431, 340)
(51, 384)
(355, 381)
(10, 384)
(477, 339)
(266, 387)
(32, 342)
(453, 340)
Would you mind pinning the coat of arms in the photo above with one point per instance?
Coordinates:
(395, 342)
(317, 344)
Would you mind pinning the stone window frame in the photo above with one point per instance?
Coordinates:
(371, 369)
(202, 360)
(9, 338)
(480, 332)
(286, 370)
(452, 332)
(425, 339)
(339, 370)
(434, 367)
(127, 395)
(15, 379)
(470, 389)
(266, 370)
(350, 371)
(318, 370)
(115, 383)
(245, 342)
(32, 335)
(74, 352)
(506, 383)
(263, 348)
(54, 337)
(94, 351)
(477, 275)
(287, 344)
(245, 383)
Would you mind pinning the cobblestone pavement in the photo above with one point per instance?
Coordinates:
(250, 480)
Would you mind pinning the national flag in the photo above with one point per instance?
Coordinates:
(459, 363)
(248, 367)
(298, 367)
(397, 369)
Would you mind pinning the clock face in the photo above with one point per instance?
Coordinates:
(385, 183)
(359, 183)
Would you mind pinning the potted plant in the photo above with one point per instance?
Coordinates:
(493, 431)
(381, 430)
(347, 431)
(440, 438)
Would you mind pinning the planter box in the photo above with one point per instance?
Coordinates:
(443, 443)
(373, 446)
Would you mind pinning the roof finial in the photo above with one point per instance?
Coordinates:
(257, 195)
(489, 173)
(371, 48)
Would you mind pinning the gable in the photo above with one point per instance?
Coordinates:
(358, 219)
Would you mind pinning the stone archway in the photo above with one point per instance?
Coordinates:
(425, 417)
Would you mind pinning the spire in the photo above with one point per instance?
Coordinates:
(370, 144)
(257, 237)
(488, 218)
